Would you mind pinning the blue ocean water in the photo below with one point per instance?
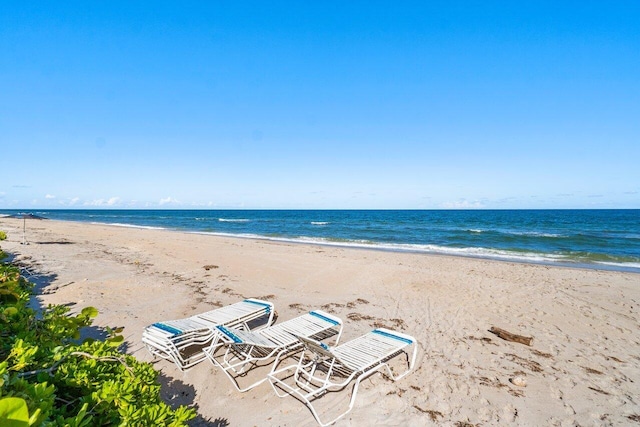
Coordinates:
(597, 238)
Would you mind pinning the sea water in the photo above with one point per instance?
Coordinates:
(594, 238)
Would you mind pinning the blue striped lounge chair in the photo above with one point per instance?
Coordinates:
(183, 341)
(323, 369)
(248, 349)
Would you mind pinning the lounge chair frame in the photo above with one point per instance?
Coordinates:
(183, 341)
(322, 369)
(247, 349)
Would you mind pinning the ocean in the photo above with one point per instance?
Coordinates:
(606, 239)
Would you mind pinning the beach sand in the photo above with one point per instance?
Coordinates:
(582, 369)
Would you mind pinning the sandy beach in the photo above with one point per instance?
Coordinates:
(582, 369)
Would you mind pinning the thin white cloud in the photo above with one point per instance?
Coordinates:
(102, 202)
(462, 204)
(49, 196)
(169, 200)
(69, 202)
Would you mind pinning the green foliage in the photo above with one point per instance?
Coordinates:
(14, 412)
(3, 236)
(48, 378)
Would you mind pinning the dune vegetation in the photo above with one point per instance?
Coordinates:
(49, 376)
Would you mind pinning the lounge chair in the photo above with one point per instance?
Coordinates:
(322, 369)
(182, 341)
(248, 349)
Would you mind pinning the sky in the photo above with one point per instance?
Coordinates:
(320, 105)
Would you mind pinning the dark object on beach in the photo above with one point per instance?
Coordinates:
(508, 336)
(24, 217)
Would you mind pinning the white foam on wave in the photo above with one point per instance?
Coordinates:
(517, 233)
(240, 235)
(533, 234)
(118, 224)
(630, 236)
(398, 247)
(319, 223)
(478, 252)
(471, 252)
(233, 220)
(621, 264)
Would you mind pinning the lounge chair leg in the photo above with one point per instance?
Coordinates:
(354, 392)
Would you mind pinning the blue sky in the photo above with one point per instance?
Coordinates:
(320, 104)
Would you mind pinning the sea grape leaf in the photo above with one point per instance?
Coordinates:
(89, 312)
(14, 412)
(115, 341)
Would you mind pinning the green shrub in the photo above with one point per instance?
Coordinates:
(3, 236)
(48, 378)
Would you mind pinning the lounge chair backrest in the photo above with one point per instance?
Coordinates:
(235, 311)
(308, 324)
(285, 332)
(361, 352)
(408, 339)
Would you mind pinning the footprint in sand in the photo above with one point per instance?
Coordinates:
(556, 393)
(474, 391)
(509, 413)
(485, 415)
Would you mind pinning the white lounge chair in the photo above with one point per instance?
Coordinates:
(247, 349)
(322, 369)
(182, 341)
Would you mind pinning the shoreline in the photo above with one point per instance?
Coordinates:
(582, 366)
(554, 237)
(567, 264)
(386, 247)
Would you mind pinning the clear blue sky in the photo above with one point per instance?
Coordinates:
(320, 104)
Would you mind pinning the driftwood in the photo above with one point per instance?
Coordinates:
(508, 336)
